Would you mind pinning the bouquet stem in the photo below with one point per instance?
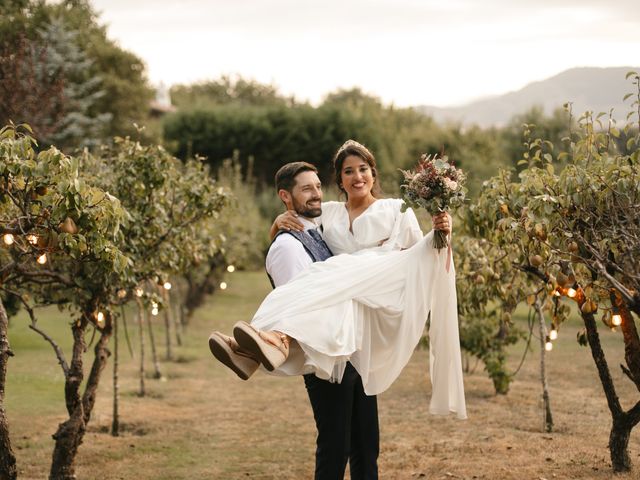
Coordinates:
(440, 239)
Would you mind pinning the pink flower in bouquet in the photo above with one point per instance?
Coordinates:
(435, 185)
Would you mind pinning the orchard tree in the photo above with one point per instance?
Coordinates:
(60, 238)
(571, 217)
(486, 276)
(173, 210)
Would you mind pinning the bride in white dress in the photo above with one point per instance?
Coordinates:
(368, 304)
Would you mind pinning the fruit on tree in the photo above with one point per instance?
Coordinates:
(68, 226)
(535, 260)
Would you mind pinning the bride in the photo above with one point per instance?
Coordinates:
(368, 304)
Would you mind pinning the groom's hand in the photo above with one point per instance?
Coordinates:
(443, 222)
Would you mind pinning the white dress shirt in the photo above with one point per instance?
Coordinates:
(287, 257)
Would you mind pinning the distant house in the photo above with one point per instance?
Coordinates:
(161, 104)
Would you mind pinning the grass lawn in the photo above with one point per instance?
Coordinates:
(200, 421)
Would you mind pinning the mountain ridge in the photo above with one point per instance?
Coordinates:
(588, 88)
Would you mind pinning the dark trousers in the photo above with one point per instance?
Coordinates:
(347, 423)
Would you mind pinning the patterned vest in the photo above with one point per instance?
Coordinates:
(313, 244)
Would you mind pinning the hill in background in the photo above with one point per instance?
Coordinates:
(589, 88)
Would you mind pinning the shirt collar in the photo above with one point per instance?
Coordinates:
(308, 223)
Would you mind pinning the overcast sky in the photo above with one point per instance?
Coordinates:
(407, 52)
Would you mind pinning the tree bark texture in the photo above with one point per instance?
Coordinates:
(547, 417)
(154, 352)
(631, 345)
(620, 428)
(142, 392)
(115, 424)
(69, 435)
(8, 467)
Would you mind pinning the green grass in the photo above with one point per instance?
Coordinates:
(204, 423)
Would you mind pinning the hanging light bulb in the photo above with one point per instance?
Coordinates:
(32, 239)
(122, 293)
(8, 238)
(223, 285)
(167, 285)
(139, 292)
(553, 334)
(231, 269)
(571, 292)
(100, 319)
(616, 319)
(42, 259)
(548, 346)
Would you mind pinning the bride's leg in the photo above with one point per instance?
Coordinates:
(270, 348)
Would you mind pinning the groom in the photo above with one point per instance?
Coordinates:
(346, 418)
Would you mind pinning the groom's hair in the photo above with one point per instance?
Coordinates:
(286, 176)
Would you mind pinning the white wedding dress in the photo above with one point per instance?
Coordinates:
(369, 304)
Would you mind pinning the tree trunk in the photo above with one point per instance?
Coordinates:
(619, 443)
(68, 438)
(100, 360)
(167, 331)
(142, 392)
(631, 345)
(620, 429)
(173, 318)
(115, 424)
(547, 418)
(154, 352)
(71, 432)
(197, 291)
(69, 435)
(8, 468)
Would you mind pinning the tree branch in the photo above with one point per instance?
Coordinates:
(33, 326)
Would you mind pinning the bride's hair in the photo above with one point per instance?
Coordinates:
(349, 148)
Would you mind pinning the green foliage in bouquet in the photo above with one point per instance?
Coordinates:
(435, 185)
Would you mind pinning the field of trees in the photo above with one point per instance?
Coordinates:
(126, 238)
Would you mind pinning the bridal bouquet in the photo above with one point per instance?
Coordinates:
(435, 185)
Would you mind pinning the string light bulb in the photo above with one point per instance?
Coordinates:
(8, 238)
(167, 285)
(231, 268)
(122, 293)
(100, 319)
(32, 239)
(616, 319)
(553, 334)
(42, 259)
(548, 346)
(571, 292)
(223, 285)
(556, 292)
(139, 292)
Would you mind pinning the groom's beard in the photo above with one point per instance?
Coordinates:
(307, 210)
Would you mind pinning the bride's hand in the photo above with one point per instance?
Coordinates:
(286, 221)
(442, 221)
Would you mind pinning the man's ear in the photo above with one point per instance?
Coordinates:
(285, 196)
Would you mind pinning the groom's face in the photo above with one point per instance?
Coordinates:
(306, 195)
